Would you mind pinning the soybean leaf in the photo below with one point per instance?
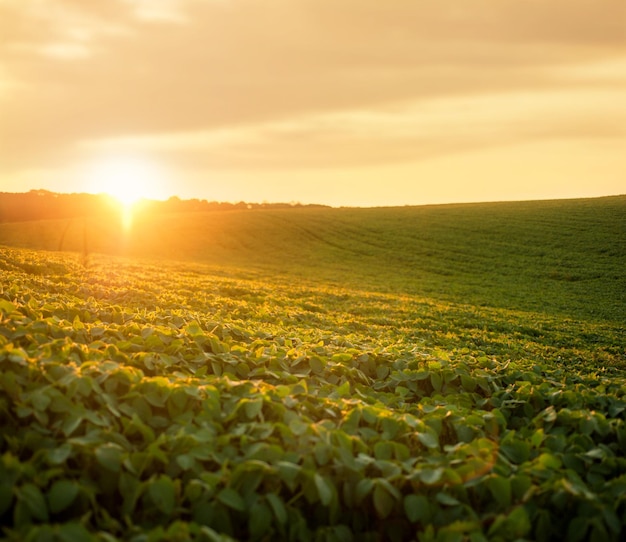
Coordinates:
(428, 440)
(61, 495)
(383, 501)
(34, 500)
(109, 456)
(324, 488)
(232, 499)
(259, 520)
(162, 491)
(500, 488)
(74, 532)
(278, 507)
(417, 508)
(430, 476)
(6, 497)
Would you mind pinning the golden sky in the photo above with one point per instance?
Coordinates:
(342, 102)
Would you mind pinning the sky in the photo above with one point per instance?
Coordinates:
(338, 102)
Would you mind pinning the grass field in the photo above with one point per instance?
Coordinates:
(433, 373)
(563, 257)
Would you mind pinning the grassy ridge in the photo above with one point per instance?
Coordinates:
(563, 257)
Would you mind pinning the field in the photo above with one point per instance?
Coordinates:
(431, 373)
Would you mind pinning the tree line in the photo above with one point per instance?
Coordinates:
(46, 205)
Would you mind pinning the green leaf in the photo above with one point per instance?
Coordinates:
(500, 488)
(278, 507)
(74, 532)
(162, 491)
(259, 520)
(6, 306)
(71, 423)
(549, 461)
(316, 364)
(232, 499)
(382, 372)
(6, 497)
(430, 476)
(185, 461)
(57, 456)
(577, 529)
(363, 489)
(253, 408)
(390, 427)
(298, 427)
(383, 450)
(383, 501)
(445, 498)
(341, 357)
(596, 453)
(436, 381)
(468, 383)
(41, 401)
(516, 450)
(61, 495)
(610, 518)
(428, 439)
(343, 390)
(34, 500)
(109, 456)
(194, 330)
(322, 453)
(518, 523)
(288, 473)
(77, 324)
(417, 508)
(324, 489)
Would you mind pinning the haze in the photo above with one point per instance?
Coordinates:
(350, 102)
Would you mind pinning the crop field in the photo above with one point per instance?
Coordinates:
(406, 374)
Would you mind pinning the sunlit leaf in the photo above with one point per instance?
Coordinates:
(6, 306)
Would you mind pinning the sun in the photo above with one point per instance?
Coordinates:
(127, 179)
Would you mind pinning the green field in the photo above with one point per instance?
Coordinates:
(422, 373)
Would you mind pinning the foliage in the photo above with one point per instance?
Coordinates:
(149, 401)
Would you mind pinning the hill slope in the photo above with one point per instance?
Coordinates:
(565, 257)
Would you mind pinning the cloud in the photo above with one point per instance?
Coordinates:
(400, 132)
(262, 83)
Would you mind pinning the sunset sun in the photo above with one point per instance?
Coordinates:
(127, 179)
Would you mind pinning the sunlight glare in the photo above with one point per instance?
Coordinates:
(128, 180)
